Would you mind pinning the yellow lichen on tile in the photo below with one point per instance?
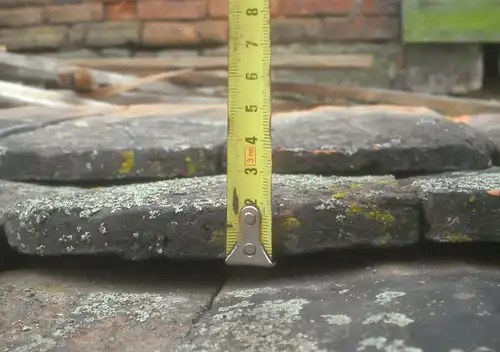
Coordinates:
(128, 162)
(456, 237)
(218, 236)
(291, 223)
(381, 216)
(193, 167)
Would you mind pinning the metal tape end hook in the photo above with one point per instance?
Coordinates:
(249, 249)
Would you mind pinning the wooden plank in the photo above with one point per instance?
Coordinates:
(133, 98)
(106, 92)
(309, 62)
(451, 21)
(43, 71)
(13, 94)
(337, 94)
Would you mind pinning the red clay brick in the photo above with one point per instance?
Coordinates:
(39, 37)
(381, 7)
(171, 9)
(213, 32)
(74, 13)
(109, 33)
(219, 8)
(19, 3)
(120, 11)
(184, 33)
(366, 29)
(170, 34)
(17, 17)
(292, 30)
(316, 7)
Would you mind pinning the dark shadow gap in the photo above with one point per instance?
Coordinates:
(9, 259)
(345, 260)
(491, 61)
(490, 85)
(147, 271)
(89, 184)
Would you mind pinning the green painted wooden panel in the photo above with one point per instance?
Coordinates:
(451, 21)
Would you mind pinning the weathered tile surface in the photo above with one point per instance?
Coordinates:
(136, 142)
(185, 218)
(375, 140)
(25, 119)
(488, 124)
(13, 192)
(150, 142)
(100, 310)
(461, 206)
(403, 308)
(412, 308)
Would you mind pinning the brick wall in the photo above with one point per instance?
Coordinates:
(176, 28)
(69, 24)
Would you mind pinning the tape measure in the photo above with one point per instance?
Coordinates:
(249, 154)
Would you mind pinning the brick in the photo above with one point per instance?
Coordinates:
(121, 11)
(72, 54)
(42, 37)
(317, 7)
(363, 29)
(379, 75)
(112, 33)
(74, 13)
(77, 34)
(18, 17)
(171, 9)
(66, 2)
(381, 7)
(423, 70)
(115, 52)
(19, 3)
(170, 34)
(213, 32)
(219, 8)
(185, 33)
(295, 30)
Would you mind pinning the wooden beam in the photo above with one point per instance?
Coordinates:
(328, 94)
(291, 62)
(13, 95)
(43, 71)
(106, 92)
(451, 21)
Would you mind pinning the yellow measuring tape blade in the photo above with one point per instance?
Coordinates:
(249, 155)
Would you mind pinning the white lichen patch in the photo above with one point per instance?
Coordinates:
(465, 182)
(158, 201)
(249, 292)
(97, 306)
(86, 237)
(262, 326)
(484, 349)
(88, 310)
(36, 343)
(179, 195)
(383, 344)
(338, 319)
(388, 296)
(398, 319)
